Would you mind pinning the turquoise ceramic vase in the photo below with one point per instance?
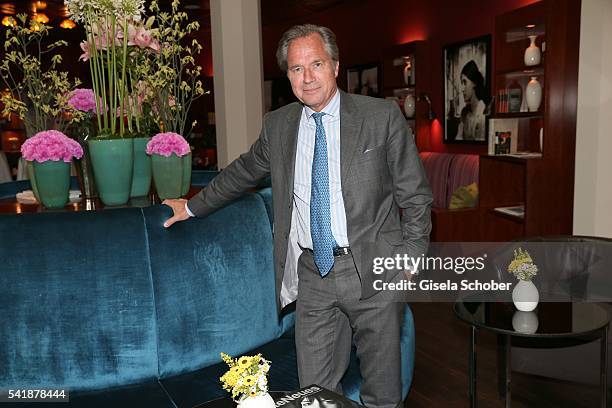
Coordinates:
(141, 177)
(168, 174)
(186, 174)
(51, 182)
(113, 163)
(29, 168)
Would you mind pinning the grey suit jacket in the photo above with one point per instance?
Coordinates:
(380, 173)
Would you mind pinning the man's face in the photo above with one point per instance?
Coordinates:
(311, 71)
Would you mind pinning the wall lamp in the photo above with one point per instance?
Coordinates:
(430, 112)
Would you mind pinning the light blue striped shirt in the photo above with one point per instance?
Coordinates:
(303, 171)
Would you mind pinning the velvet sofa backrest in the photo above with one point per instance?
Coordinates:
(76, 300)
(436, 167)
(463, 171)
(95, 300)
(446, 172)
(213, 281)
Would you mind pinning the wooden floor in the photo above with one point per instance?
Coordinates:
(441, 369)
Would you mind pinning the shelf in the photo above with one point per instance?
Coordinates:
(515, 211)
(523, 33)
(510, 159)
(518, 115)
(522, 71)
(515, 218)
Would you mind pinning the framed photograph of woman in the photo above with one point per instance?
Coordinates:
(467, 90)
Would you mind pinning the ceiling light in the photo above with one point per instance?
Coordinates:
(41, 18)
(9, 21)
(68, 24)
(530, 26)
(7, 8)
(40, 5)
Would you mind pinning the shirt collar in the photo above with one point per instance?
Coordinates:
(332, 108)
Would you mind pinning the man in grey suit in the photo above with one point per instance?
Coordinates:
(341, 167)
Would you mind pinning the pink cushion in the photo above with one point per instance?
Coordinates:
(463, 171)
(436, 168)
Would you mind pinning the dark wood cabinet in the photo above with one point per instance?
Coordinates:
(397, 85)
(543, 185)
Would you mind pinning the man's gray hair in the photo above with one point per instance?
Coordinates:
(304, 30)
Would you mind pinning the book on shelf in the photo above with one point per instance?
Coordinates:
(503, 136)
(515, 97)
(515, 211)
(525, 155)
(315, 397)
(502, 101)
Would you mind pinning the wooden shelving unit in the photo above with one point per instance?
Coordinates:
(544, 185)
(393, 82)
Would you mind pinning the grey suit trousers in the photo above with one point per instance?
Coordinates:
(329, 314)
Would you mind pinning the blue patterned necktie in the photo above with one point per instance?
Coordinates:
(323, 241)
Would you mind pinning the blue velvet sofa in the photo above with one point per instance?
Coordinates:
(123, 312)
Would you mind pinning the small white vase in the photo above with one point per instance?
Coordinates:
(533, 56)
(259, 401)
(525, 296)
(533, 94)
(525, 322)
(409, 106)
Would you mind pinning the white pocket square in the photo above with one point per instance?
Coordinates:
(370, 149)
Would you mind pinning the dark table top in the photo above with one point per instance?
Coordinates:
(12, 206)
(548, 320)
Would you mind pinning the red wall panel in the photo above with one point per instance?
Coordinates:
(365, 28)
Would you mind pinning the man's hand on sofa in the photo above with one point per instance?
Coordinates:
(179, 208)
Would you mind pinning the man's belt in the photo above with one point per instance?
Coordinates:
(338, 251)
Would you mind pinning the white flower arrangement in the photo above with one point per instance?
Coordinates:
(81, 9)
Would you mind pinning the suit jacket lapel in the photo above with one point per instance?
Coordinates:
(350, 127)
(289, 139)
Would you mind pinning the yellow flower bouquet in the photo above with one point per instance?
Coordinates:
(247, 376)
(522, 265)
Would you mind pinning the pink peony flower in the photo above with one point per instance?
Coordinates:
(164, 144)
(83, 99)
(51, 145)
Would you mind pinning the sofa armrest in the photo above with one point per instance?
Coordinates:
(455, 225)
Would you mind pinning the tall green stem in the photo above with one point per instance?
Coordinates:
(123, 77)
(94, 74)
(112, 73)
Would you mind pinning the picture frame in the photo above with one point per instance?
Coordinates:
(364, 79)
(467, 90)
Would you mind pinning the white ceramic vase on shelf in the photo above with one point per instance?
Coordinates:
(525, 296)
(533, 56)
(533, 94)
(409, 106)
(259, 401)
